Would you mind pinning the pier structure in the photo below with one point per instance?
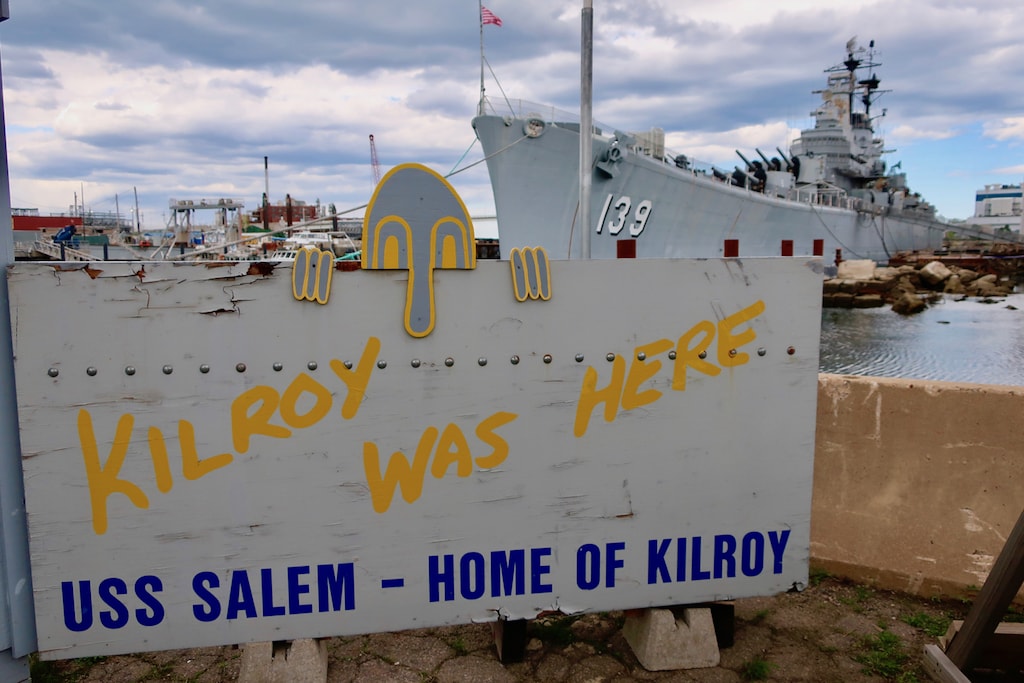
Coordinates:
(182, 211)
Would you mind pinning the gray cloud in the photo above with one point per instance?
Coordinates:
(252, 65)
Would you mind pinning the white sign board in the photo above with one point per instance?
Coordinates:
(209, 459)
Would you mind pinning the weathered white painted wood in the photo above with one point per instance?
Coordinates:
(276, 536)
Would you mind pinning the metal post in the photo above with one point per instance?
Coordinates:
(586, 123)
(18, 630)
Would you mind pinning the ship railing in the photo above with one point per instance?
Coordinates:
(520, 108)
(62, 252)
(827, 197)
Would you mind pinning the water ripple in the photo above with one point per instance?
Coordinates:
(954, 341)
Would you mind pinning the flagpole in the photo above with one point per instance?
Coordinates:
(480, 18)
(586, 123)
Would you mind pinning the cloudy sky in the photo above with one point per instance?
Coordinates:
(184, 99)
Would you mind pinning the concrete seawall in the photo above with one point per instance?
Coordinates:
(917, 483)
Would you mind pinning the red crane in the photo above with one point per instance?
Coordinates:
(374, 162)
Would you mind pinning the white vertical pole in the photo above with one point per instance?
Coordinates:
(586, 123)
(18, 609)
(480, 20)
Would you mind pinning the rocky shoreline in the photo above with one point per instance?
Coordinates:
(908, 289)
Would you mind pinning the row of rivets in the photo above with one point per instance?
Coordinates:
(416, 362)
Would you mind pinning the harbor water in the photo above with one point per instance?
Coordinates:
(953, 341)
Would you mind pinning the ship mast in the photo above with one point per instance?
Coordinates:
(870, 85)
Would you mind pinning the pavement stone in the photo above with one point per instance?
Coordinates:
(818, 635)
(473, 669)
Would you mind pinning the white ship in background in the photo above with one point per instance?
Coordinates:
(831, 192)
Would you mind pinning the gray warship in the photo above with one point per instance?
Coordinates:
(832, 191)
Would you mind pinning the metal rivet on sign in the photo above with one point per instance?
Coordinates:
(415, 362)
(732, 353)
(168, 369)
(204, 368)
(311, 365)
(91, 371)
(130, 370)
(579, 357)
(515, 360)
(547, 357)
(240, 367)
(672, 355)
(702, 355)
(791, 350)
(348, 365)
(481, 361)
(278, 367)
(761, 351)
(641, 356)
(53, 372)
(610, 357)
(449, 361)
(382, 364)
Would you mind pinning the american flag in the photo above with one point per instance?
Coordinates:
(488, 17)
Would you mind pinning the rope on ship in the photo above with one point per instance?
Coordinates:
(829, 231)
(480, 161)
(881, 234)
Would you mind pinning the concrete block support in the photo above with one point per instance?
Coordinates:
(296, 661)
(664, 639)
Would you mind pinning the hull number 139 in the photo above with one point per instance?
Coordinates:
(619, 213)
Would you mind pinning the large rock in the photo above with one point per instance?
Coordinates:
(868, 301)
(908, 303)
(967, 276)
(887, 273)
(954, 285)
(935, 273)
(837, 300)
(862, 269)
(832, 286)
(987, 286)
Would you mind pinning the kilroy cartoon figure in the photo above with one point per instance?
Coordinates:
(417, 222)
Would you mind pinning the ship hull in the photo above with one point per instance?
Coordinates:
(667, 211)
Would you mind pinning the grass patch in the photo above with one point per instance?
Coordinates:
(459, 646)
(756, 670)
(760, 616)
(817, 576)
(861, 594)
(883, 655)
(554, 631)
(45, 672)
(67, 671)
(933, 626)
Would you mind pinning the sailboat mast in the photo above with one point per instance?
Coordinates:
(138, 219)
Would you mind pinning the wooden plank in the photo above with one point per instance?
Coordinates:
(1003, 582)
(1004, 650)
(938, 666)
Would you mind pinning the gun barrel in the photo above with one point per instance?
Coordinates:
(749, 165)
(783, 156)
(761, 154)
